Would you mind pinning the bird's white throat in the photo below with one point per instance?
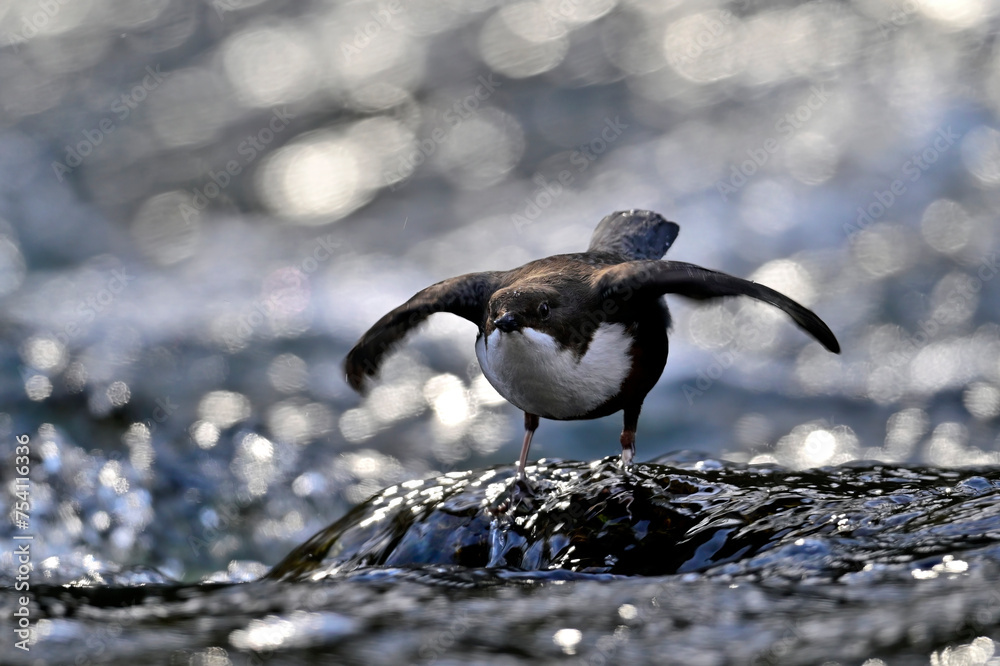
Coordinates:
(534, 372)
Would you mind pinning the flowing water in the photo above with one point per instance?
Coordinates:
(691, 562)
(203, 204)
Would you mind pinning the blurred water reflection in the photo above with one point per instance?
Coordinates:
(205, 203)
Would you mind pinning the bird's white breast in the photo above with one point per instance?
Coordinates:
(531, 370)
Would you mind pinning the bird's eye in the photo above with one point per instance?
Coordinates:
(543, 310)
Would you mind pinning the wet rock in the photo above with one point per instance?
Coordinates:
(657, 519)
(759, 564)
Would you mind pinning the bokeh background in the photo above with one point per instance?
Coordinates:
(204, 203)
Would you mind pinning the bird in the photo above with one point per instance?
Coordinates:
(575, 336)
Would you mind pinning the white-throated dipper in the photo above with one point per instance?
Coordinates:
(575, 336)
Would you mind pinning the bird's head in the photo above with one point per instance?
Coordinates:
(521, 306)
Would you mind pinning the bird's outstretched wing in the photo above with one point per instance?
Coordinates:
(634, 234)
(649, 279)
(466, 296)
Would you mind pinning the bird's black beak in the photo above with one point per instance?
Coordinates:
(506, 323)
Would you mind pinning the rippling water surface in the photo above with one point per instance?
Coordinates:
(203, 204)
(695, 561)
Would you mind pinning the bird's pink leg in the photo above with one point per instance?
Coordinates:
(530, 424)
(628, 435)
(628, 448)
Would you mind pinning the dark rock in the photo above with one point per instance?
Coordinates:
(714, 518)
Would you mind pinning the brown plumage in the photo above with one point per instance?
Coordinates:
(575, 336)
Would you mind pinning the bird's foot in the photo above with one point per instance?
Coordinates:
(626, 460)
(628, 445)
